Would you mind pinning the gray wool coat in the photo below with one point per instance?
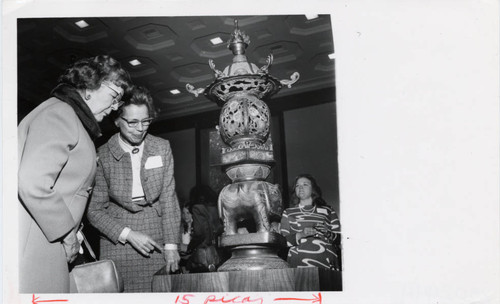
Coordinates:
(57, 165)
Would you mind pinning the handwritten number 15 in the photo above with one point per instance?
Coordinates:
(184, 299)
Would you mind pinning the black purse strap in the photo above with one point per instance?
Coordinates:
(89, 248)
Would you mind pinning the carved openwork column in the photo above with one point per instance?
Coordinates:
(244, 125)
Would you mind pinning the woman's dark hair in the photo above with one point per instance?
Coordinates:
(89, 73)
(315, 191)
(183, 221)
(137, 95)
(203, 191)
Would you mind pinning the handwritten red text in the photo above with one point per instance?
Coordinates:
(314, 299)
(237, 299)
(36, 300)
(184, 299)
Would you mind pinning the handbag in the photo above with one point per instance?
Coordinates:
(204, 259)
(96, 277)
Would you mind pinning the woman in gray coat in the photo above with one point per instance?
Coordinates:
(57, 165)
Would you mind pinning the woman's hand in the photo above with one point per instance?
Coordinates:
(308, 231)
(323, 231)
(172, 258)
(71, 246)
(142, 242)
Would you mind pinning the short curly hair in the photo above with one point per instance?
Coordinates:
(89, 73)
(137, 95)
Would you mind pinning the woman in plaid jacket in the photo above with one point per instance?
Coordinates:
(134, 204)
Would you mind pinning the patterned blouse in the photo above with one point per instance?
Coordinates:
(312, 251)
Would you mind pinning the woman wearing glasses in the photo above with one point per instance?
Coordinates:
(57, 165)
(134, 204)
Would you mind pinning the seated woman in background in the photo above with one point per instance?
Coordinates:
(186, 228)
(310, 227)
(186, 234)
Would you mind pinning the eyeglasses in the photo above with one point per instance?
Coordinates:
(134, 123)
(302, 185)
(116, 99)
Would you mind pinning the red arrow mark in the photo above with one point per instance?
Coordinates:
(36, 301)
(316, 299)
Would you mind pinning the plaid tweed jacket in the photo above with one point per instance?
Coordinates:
(113, 188)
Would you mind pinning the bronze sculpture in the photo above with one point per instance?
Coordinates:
(244, 125)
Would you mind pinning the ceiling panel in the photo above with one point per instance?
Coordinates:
(173, 51)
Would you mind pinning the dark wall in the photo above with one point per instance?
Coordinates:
(183, 144)
(311, 147)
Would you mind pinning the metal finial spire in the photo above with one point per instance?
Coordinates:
(238, 41)
(241, 76)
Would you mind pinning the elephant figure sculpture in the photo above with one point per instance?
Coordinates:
(247, 200)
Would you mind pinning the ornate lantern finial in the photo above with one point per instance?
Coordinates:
(239, 41)
(240, 90)
(241, 75)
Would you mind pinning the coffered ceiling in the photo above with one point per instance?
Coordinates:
(173, 51)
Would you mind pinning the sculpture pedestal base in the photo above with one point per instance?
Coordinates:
(254, 251)
(289, 279)
(253, 258)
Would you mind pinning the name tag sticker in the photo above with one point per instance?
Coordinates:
(322, 210)
(153, 162)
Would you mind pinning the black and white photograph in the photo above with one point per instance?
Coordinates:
(234, 103)
(263, 152)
